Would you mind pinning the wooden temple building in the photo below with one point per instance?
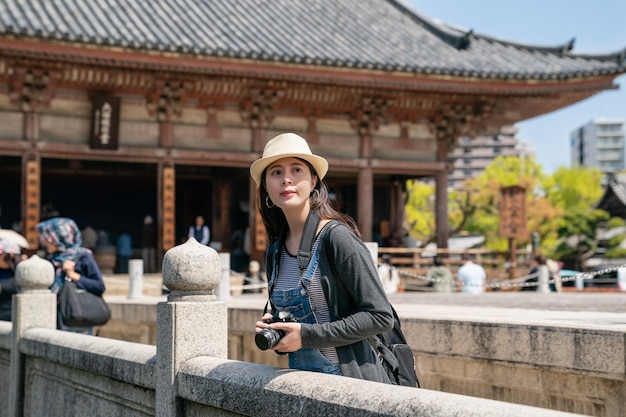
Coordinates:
(114, 110)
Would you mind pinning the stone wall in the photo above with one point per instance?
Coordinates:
(187, 373)
(537, 363)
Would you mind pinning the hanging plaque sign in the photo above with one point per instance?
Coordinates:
(105, 116)
(513, 212)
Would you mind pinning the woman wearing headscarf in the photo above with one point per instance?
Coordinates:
(63, 243)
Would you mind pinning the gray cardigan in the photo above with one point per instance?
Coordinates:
(356, 299)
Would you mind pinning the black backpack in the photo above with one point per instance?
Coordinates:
(395, 354)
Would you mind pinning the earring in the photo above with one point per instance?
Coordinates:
(267, 202)
(317, 196)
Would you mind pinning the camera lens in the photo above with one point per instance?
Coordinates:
(268, 338)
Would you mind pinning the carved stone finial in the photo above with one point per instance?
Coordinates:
(191, 271)
(34, 275)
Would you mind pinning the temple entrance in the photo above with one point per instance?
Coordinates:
(113, 197)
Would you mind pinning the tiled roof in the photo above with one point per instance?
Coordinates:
(369, 34)
(618, 185)
(614, 198)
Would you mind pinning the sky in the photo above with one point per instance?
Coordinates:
(599, 28)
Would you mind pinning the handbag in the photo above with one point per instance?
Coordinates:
(80, 308)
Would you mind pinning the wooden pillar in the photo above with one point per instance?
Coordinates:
(31, 198)
(166, 133)
(397, 202)
(258, 236)
(31, 126)
(257, 111)
(258, 139)
(31, 90)
(365, 211)
(224, 190)
(441, 197)
(366, 201)
(166, 209)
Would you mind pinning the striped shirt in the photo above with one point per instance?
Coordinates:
(289, 278)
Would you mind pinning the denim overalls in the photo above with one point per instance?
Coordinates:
(297, 302)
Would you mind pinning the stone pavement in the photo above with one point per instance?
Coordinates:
(572, 309)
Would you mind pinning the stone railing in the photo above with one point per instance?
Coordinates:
(55, 373)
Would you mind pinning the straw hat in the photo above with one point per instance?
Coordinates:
(287, 145)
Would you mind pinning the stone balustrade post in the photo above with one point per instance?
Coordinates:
(34, 306)
(192, 322)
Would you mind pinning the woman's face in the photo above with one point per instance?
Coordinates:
(289, 183)
(50, 247)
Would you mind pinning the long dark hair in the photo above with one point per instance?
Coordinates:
(274, 218)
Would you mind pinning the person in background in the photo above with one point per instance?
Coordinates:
(555, 275)
(63, 242)
(531, 282)
(238, 259)
(389, 275)
(9, 257)
(254, 277)
(472, 276)
(124, 252)
(337, 301)
(441, 276)
(90, 237)
(147, 240)
(200, 231)
(102, 241)
(543, 274)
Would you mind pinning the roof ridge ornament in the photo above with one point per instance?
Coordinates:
(460, 42)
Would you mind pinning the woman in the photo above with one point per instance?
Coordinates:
(62, 240)
(338, 300)
(539, 280)
(9, 256)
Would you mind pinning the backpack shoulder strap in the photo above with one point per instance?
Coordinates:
(307, 240)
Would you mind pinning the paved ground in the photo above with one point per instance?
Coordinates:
(601, 310)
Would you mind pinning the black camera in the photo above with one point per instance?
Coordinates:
(268, 337)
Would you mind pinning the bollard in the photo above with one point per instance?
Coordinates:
(621, 278)
(373, 248)
(135, 278)
(223, 289)
(579, 282)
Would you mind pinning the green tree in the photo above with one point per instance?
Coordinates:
(484, 193)
(560, 207)
(575, 191)
(419, 211)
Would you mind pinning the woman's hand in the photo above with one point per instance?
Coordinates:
(292, 340)
(68, 268)
(260, 325)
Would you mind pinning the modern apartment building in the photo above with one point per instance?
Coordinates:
(600, 144)
(472, 155)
